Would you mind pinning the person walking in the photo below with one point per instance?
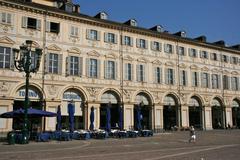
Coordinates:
(192, 135)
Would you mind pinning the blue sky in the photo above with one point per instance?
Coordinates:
(216, 19)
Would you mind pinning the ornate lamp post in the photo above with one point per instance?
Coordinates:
(25, 63)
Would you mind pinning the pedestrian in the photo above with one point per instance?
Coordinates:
(192, 134)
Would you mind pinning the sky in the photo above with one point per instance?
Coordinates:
(216, 19)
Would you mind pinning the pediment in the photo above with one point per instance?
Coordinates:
(128, 58)
(226, 72)
(6, 40)
(74, 50)
(194, 66)
(169, 63)
(35, 45)
(157, 62)
(54, 47)
(215, 70)
(93, 53)
(111, 55)
(205, 69)
(142, 59)
(182, 65)
(234, 73)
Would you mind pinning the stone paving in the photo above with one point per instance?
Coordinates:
(210, 145)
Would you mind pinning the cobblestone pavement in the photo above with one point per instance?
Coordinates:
(210, 145)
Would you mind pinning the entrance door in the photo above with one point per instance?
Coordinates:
(169, 117)
(195, 117)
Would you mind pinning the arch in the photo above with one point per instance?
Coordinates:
(77, 88)
(174, 95)
(198, 98)
(235, 102)
(143, 93)
(217, 101)
(35, 44)
(218, 120)
(31, 85)
(110, 95)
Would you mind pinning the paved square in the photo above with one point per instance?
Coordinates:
(210, 145)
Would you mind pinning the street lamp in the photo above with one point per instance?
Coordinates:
(27, 60)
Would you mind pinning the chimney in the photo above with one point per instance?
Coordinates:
(77, 8)
(201, 39)
(220, 43)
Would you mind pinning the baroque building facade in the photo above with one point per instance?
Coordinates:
(92, 62)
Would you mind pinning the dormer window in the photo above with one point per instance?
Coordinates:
(69, 7)
(133, 22)
(159, 29)
(103, 16)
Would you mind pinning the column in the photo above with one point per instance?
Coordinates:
(185, 116)
(158, 114)
(128, 116)
(228, 111)
(208, 117)
(6, 106)
(50, 122)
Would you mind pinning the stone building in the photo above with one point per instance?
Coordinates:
(92, 61)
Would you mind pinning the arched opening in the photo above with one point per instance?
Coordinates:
(195, 113)
(236, 113)
(217, 114)
(77, 99)
(170, 112)
(143, 105)
(35, 101)
(112, 100)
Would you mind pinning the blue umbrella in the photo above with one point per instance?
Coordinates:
(120, 119)
(108, 118)
(31, 113)
(91, 119)
(71, 116)
(59, 119)
(139, 126)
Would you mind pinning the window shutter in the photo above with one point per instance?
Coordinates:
(219, 82)
(80, 66)
(122, 40)
(165, 48)
(98, 69)
(138, 72)
(105, 37)
(12, 58)
(132, 72)
(115, 38)
(76, 31)
(131, 41)
(146, 44)
(24, 22)
(232, 83)
(189, 52)
(47, 59)
(208, 81)
(186, 78)
(155, 76)
(181, 77)
(98, 35)
(231, 60)
(88, 67)
(106, 69)
(9, 18)
(166, 76)
(161, 75)
(174, 81)
(202, 82)
(126, 71)
(138, 42)
(116, 70)
(38, 24)
(47, 26)
(1, 17)
(237, 85)
(152, 46)
(201, 54)
(67, 66)
(229, 82)
(172, 49)
(193, 79)
(60, 63)
(144, 76)
(88, 34)
(71, 31)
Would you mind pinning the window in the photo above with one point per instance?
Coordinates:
(192, 52)
(204, 54)
(31, 23)
(6, 18)
(214, 56)
(74, 65)
(93, 68)
(140, 73)
(205, 80)
(181, 51)
(169, 76)
(234, 83)
(215, 81)
(195, 82)
(110, 70)
(226, 82)
(110, 38)
(225, 58)
(234, 60)
(5, 54)
(74, 31)
(93, 34)
(126, 40)
(168, 48)
(141, 43)
(183, 78)
(128, 71)
(53, 63)
(158, 75)
(53, 27)
(156, 46)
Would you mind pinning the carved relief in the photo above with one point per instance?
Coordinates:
(128, 58)
(52, 90)
(142, 59)
(6, 28)
(54, 47)
(3, 87)
(6, 40)
(157, 62)
(111, 55)
(93, 53)
(206, 98)
(127, 93)
(74, 39)
(169, 63)
(74, 50)
(93, 92)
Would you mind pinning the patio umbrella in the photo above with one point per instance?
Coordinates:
(31, 113)
(108, 118)
(120, 119)
(91, 119)
(59, 119)
(71, 116)
(139, 126)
